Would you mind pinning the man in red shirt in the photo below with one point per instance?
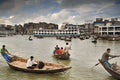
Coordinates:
(61, 50)
(58, 51)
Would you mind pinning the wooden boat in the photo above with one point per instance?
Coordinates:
(94, 41)
(68, 39)
(30, 39)
(111, 71)
(62, 38)
(64, 56)
(87, 37)
(19, 63)
(81, 37)
(113, 38)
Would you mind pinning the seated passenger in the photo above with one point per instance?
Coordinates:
(56, 47)
(61, 50)
(31, 64)
(58, 51)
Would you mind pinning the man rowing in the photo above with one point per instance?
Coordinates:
(106, 56)
(5, 54)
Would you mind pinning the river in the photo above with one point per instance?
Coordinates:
(84, 55)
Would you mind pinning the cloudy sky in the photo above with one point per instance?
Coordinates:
(56, 11)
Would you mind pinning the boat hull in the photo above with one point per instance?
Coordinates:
(64, 56)
(110, 71)
(38, 71)
(19, 64)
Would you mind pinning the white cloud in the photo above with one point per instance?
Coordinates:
(4, 20)
(57, 18)
(11, 17)
(76, 15)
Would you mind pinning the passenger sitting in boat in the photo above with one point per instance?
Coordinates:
(61, 50)
(58, 52)
(41, 65)
(56, 47)
(5, 54)
(105, 58)
(31, 64)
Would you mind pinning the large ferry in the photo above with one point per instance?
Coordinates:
(55, 32)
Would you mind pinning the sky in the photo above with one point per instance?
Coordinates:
(57, 11)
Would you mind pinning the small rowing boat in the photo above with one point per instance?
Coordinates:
(64, 56)
(111, 71)
(19, 63)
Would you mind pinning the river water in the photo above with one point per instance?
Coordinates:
(84, 55)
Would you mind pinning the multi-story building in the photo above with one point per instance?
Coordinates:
(29, 27)
(6, 30)
(109, 31)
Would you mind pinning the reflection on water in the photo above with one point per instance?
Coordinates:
(84, 55)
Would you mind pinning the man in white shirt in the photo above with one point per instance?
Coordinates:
(31, 64)
(67, 48)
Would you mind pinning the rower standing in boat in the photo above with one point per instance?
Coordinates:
(31, 64)
(5, 54)
(67, 48)
(105, 58)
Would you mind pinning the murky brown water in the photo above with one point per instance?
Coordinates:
(84, 56)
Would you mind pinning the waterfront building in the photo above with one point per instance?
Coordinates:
(107, 27)
(99, 23)
(96, 30)
(71, 27)
(6, 30)
(29, 27)
(99, 19)
(89, 28)
(19, 29)
(110, 32)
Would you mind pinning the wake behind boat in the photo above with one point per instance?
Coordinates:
(19, 63)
